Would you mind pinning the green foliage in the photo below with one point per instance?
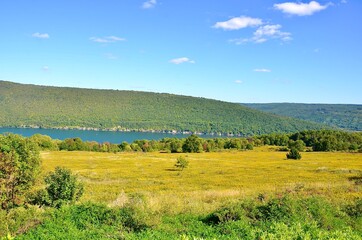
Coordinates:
(298, 145)
(19, 167)
(294, 154)
(355, 209)
(19, 220)
(192, 144)
(329, 140)
(62, 187)
(88, 221)
(181, 163)
(281, 217)
(44, 142)
(54, 107)
(345, 116)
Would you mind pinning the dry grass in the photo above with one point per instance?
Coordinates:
(211, 178)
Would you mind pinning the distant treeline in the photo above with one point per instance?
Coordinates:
(317, 140)
(345, 116)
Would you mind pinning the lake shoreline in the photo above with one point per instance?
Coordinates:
(98, 135)
(125, 130)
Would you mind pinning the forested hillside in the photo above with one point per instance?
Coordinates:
(53, 107)
(346, 116)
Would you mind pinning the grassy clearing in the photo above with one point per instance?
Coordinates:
(211, 178)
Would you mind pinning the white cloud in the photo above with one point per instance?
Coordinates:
(262, 70)
(300, 9)
(45, 68)
(238, 23)
(264, 33)
(149, 4)
(271, 31)
(40, 35)
(238, 81)
(109, 39)
(181, 60)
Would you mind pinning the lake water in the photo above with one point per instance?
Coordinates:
(98, 136)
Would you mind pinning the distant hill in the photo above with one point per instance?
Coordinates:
(346, 116)
(59, 107)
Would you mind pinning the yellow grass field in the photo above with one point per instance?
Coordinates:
(210, 179)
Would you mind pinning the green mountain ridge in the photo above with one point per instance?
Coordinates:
(61, 107)
(345, 116)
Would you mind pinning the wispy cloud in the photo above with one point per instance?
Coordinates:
(264, 33)
(301, 9)
(181, 60)
(109, 39)
(110, 56)
(238, 23)
(45, 68)
(149, 4)
(265, 70)
(238, 81)
(41, 35)
(271, 31)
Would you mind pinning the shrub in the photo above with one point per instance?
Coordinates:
(294, 154)
(181, 163)
(62, 187)
(249, 146)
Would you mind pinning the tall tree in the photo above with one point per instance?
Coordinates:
(19, 166)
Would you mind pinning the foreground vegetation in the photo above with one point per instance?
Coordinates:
(229, 193)
(284, 217)
(55, 107)
(345, 116)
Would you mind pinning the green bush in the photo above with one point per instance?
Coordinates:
(294, 154)
(87, 221)
(62, 187)
(181, 163)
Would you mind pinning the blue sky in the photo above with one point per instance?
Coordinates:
(231, 50)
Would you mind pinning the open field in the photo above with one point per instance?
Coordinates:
(256, 194)
(211, 178)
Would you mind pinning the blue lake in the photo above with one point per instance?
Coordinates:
(98, 136)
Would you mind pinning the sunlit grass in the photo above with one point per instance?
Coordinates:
(210, 179)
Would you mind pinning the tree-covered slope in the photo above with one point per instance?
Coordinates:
(31, 105)
(346, 116)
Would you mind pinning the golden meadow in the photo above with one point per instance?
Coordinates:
(210, 180)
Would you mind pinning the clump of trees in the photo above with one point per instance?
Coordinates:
(19, 167)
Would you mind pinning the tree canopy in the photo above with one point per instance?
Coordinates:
(56, 107)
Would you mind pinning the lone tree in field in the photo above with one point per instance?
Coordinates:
(19, 167)
(181, 163)
(294, 154)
